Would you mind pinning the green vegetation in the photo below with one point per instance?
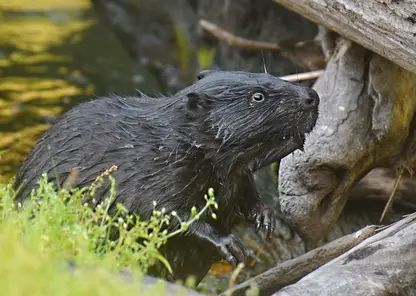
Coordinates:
(205, 57)
(39, 238)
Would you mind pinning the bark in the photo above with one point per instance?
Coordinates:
(384, 264)
(366, 120)
(386, 27)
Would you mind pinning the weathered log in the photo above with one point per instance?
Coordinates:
(383, 264)
(292, 270)
(386, 27)
(364, 207)
(366, 120)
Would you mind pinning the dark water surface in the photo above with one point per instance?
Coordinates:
(54, 54)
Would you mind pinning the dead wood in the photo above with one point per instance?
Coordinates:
(386, 27)
(292, 270)
(384, 264)
(308, 53)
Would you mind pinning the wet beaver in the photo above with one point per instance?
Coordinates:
(214, 133)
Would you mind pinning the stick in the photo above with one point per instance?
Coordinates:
(392, 194)
(302, 76)
(235, 40)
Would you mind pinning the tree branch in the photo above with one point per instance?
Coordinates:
(306, 54)
(233, 40)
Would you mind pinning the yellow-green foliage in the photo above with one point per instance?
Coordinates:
(39, 238)
(205, 57)
(182, 53)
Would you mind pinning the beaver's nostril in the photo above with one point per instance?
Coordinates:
(311, 100)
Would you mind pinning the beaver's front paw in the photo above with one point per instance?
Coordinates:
(263, 217)
(230, 249)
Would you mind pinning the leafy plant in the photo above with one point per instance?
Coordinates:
(55, 227)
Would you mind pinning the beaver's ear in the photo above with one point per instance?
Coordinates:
(205, 73)
(197, 102)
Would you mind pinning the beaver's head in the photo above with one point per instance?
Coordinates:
(254, 118)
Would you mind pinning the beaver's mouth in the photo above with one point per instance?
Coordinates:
(300, 140)
(296, 138)
(287, 144)
(300, 134)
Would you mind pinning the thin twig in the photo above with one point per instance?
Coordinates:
(234, 276)
(302, 76)
(233, 40)
(392, 194)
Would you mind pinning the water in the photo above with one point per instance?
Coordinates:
(54, 54)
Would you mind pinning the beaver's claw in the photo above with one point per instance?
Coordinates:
(262, 217)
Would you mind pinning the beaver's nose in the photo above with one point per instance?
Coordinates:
(310, 100)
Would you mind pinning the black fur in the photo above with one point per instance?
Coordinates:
(172, 149)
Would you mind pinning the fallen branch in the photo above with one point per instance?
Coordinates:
(292, 270)
(307, 53)
(235, 40)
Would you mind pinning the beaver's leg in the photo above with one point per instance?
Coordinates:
(256, 212)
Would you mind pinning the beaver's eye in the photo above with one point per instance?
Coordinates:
(257, 97)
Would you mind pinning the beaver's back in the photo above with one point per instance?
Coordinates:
(92, 137)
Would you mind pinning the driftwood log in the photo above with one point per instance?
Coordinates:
(368, 104)
(372, 261)
(366, 120)
(292, 270)
(373, 264)
(386, 27)
(383, 264)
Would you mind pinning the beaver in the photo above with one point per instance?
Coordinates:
(212, 134)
